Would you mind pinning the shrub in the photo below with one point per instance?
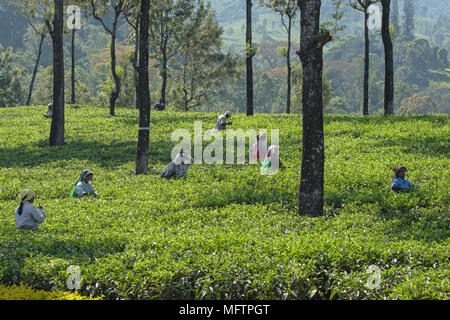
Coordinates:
(226, 231)
(22, 292)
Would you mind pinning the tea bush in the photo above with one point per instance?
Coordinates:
(21, 292)
(226, 231)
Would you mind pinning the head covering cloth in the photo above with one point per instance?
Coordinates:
(84, 174)
(26, 195)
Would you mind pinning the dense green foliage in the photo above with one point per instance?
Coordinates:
(11, 85)
(419, 68)
(227, 231)
(21, 292)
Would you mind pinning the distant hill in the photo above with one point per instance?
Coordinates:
(267, 24)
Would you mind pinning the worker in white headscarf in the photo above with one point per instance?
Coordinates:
(49, 112)
(26, 214)
(178, 167)
(83, 186)
(222, 121)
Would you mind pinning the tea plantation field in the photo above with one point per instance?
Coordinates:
(226, 231)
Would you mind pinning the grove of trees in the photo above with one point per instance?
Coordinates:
(95, 82)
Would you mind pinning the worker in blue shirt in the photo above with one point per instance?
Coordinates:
(399, 183)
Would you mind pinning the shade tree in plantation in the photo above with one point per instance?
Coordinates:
(101, 62)
(99, 9)
(287, 9)
(144, 98)
(250, 51)
(388, 58)
(38, 12)
(73, 25)
(363, 6)
(200, 67)
(376, 80)
(133, 18)
(56, 28)
(72, 74)
(167, 29)
(313, 37)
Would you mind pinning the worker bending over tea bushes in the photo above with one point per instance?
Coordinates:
(222, 121)
(49, 112)
(27, 216)
(178, 167)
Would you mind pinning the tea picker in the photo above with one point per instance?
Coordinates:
(49, 112)
(161, 105)
(259, 149)
(178, 167)
(272, 160)
(399, 183)
(83, 186)
(27, 216)
(222, 121)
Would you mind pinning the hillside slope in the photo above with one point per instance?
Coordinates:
(267, 24)
(227, 231)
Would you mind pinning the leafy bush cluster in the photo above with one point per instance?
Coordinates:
(22, 292)
(226, 231)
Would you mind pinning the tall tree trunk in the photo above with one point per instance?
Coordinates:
(36, 65)
(164, 71)
(116, 90)
(144, 110)
(389, 59)
(288, 62)
(136, 55)
(249, 56)
(366, 64)
(311, 56)
(73, 66)
(57, 126)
